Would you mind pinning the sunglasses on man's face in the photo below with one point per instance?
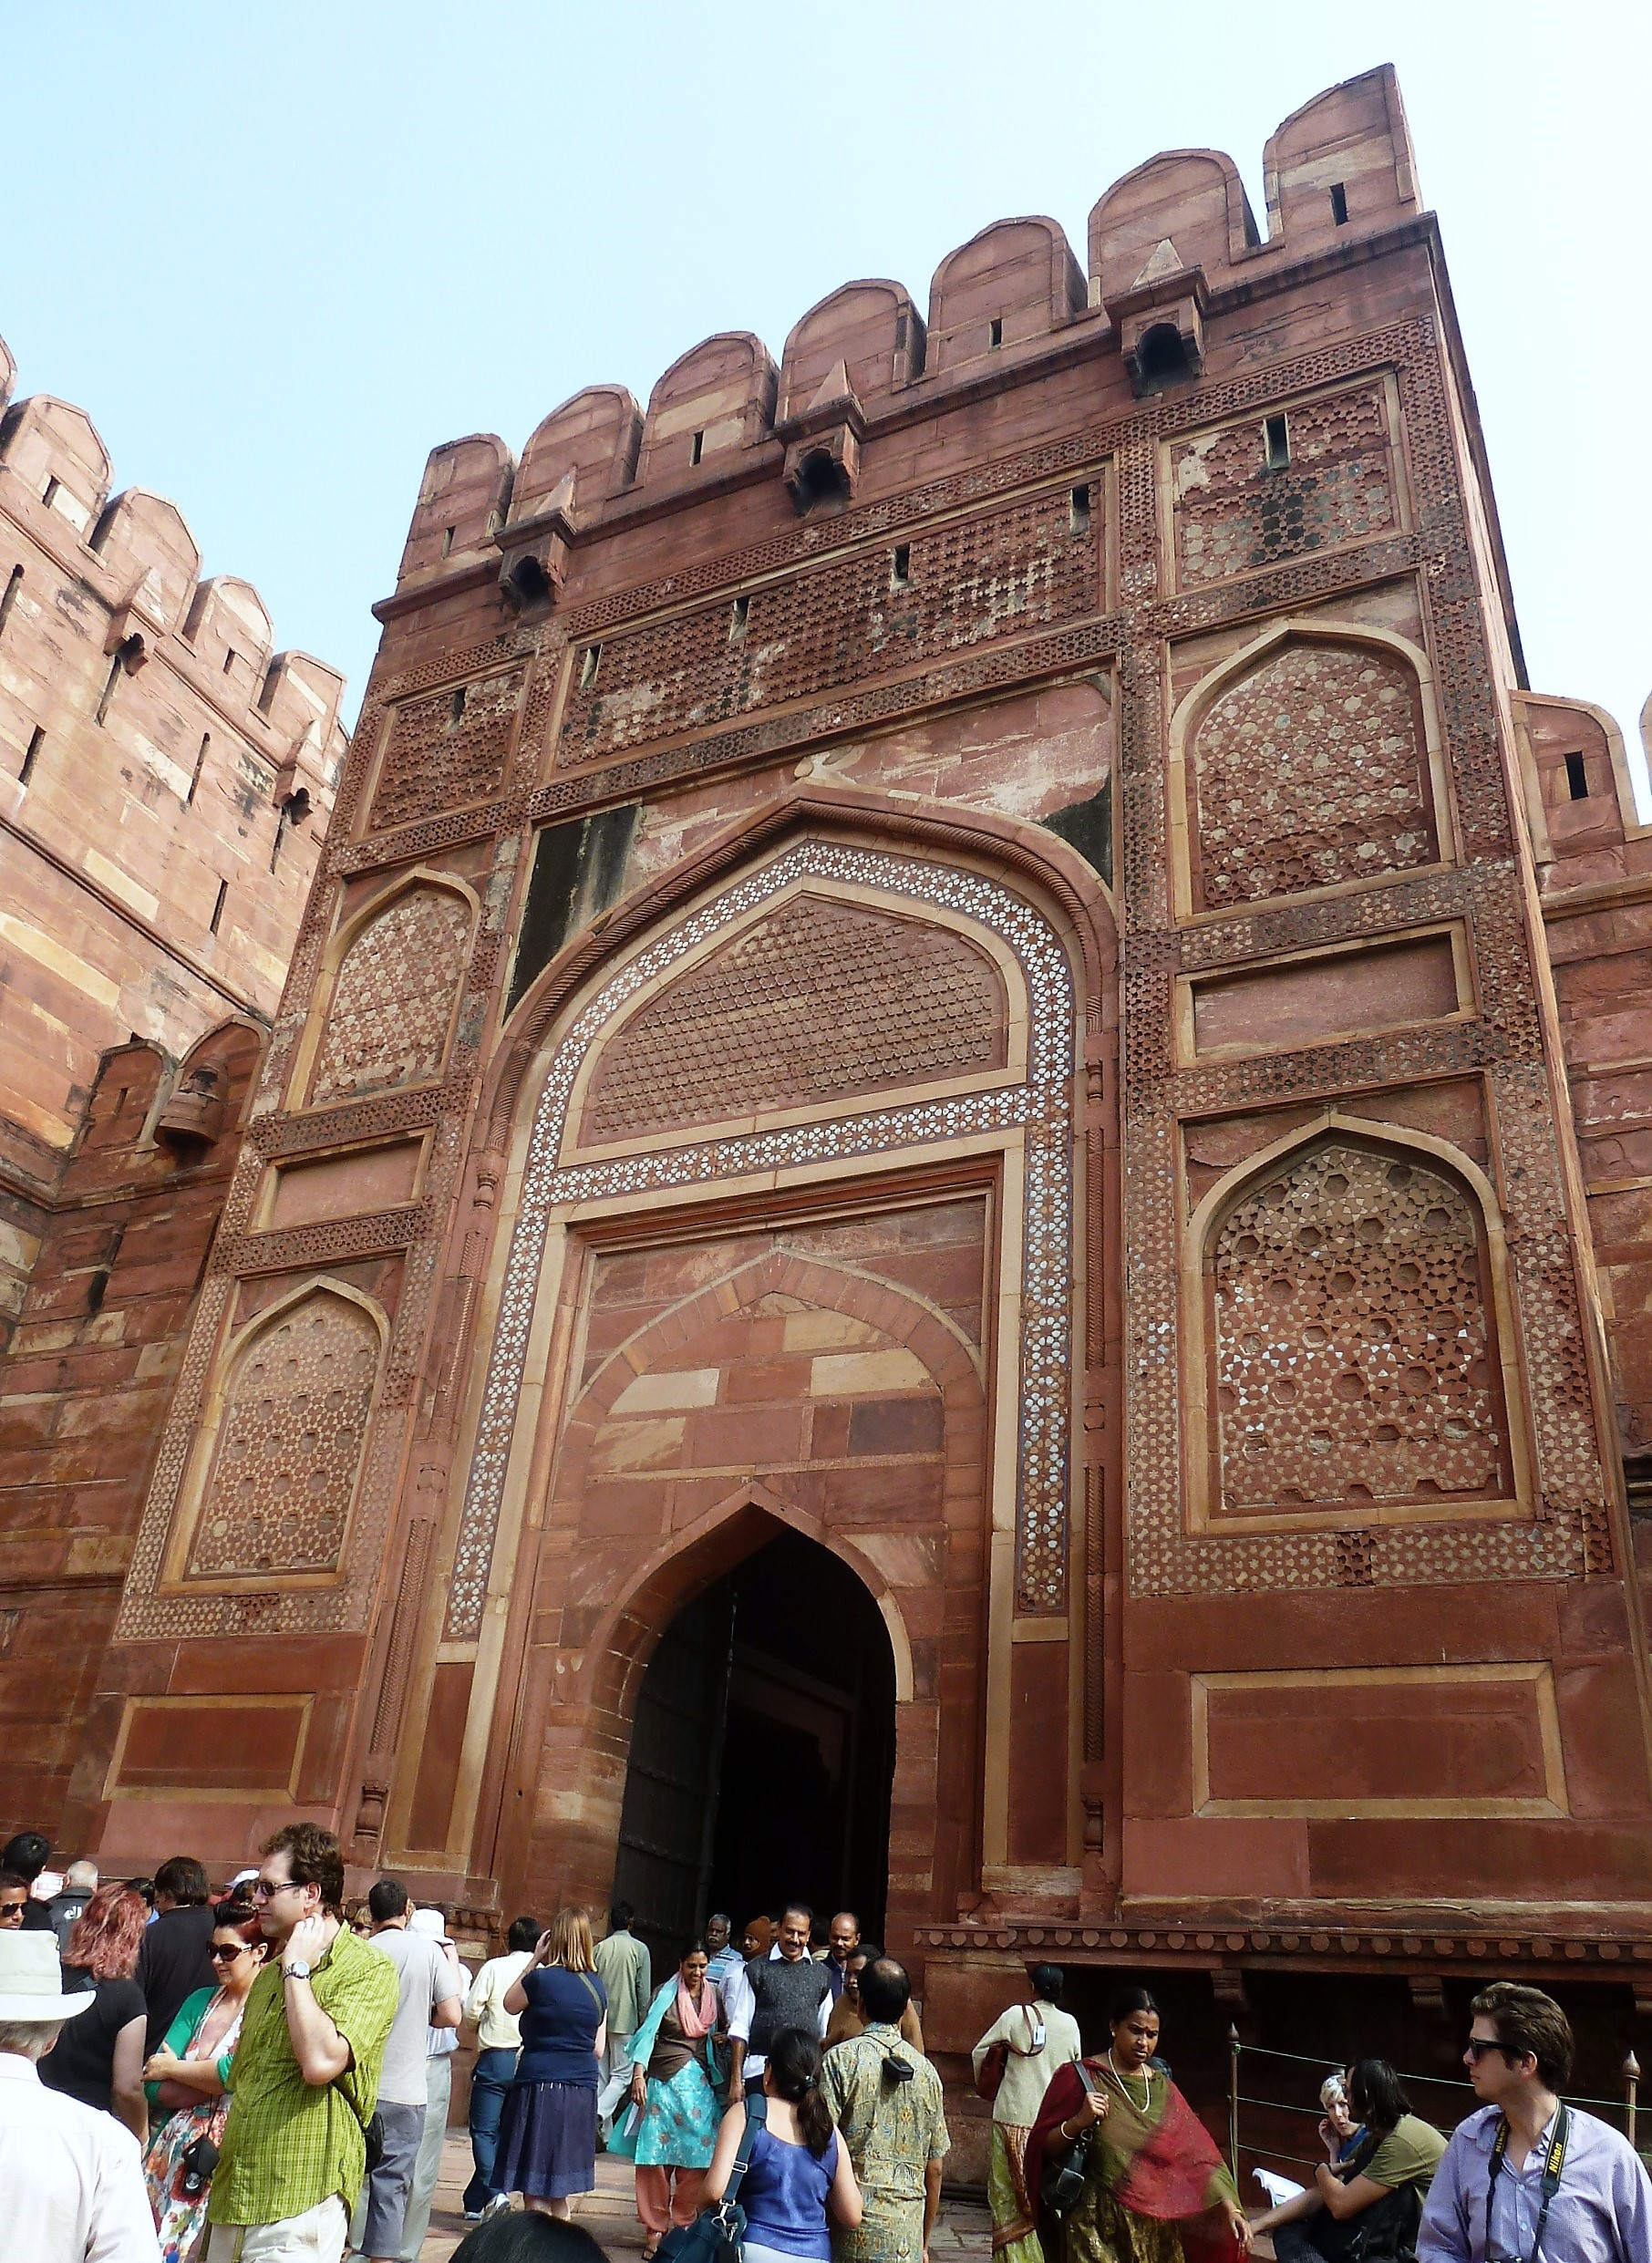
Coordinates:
(1477, 2046)
(11, 1913)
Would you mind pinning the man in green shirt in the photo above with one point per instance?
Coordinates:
(304, 2077)
(886, 2100)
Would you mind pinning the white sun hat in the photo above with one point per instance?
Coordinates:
(31, 1979)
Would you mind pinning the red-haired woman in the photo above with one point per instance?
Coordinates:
(99, 2057)
(187, 2078)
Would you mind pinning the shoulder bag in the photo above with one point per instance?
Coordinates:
(990, 2079)
(717, 2234)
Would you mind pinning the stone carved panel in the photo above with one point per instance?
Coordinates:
(1040, 1107)
(1235, 513)
(445, 749)
(1309, 770)
(1351, 1340)
(818, 999)
(878, 611)
(295, 1417)
(392, 1002)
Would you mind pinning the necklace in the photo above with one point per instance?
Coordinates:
(1147, 2072)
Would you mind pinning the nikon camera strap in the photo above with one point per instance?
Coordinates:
(1553, 2161)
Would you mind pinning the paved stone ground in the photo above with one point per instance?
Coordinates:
(963, 2235)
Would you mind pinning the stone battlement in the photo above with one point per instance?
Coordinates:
(134, 551)
(1167, 242)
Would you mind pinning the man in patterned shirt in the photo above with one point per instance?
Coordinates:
(886, 2100)
(304, 2078)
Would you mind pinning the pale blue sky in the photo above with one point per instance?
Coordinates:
(278, 253)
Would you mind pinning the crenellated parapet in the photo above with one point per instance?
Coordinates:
(166, 775)
(1172, 239)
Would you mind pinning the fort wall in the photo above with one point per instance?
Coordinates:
(947, 946)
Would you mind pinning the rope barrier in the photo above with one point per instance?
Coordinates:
(1329, 2065)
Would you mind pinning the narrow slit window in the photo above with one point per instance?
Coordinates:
(108, 688)
(458, 710)
(228, 659)
(994, 333)
(13, 585)
(217, 919)
(50, 491)
(1276, 444)
(697, 447)
(201, 756)
(1577, 778)
(739, 615)
(447, 542)
(1340, 203)
(281, 827)
(1078, 508)
(590, 661)
(36, 739)
(900, 565)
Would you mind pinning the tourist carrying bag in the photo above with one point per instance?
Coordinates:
(717, 2234)
(990, 2079)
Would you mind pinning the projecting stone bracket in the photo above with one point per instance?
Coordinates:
(533, 563)
(823, 445)
(1159, 326)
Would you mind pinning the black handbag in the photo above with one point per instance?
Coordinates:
(1063, 2181)
(717, 2234)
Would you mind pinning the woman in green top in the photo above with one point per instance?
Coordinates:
(1369, 2200)
(188, 2075)
(1155, 2189)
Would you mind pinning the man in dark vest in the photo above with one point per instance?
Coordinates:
(785, 1988)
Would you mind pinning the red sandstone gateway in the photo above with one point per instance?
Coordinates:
(945, 1212)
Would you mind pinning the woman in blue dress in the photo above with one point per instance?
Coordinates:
(799, 2179)
(674, 2082)
(547, 2129)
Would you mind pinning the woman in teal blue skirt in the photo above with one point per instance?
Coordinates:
(674, 2082)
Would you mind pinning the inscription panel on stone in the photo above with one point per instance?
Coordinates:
(1418, 1741)
(1334, 994)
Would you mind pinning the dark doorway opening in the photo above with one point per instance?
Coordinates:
(763, 1751)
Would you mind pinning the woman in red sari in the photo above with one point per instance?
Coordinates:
(1156, 2190)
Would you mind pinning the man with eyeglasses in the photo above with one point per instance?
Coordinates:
(13, 1899)
(1527, 2178)
(304, 2078)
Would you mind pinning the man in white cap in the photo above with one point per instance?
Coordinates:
(72, 2177)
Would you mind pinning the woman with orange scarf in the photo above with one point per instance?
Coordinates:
(673, 2081)
(1155, 2188)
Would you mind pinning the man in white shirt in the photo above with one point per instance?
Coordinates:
(760, 2001)
(1527, 2172)
(71, 2177)
(432, 1992)
(440, 2044)
(499, 2039)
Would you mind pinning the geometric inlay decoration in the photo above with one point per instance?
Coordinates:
(1311, 769)
(817, 1000)
(1041, 1107)
(392, 1000)
(1352, 1356)
(295, 1417)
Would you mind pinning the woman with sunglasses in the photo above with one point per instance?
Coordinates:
(186, 2079)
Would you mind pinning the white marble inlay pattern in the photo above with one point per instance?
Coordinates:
(1042, 1105)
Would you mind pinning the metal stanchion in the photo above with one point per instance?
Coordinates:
(1631, 2095)
(1233, 2102)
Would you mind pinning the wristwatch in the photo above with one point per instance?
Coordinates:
(296, 1970)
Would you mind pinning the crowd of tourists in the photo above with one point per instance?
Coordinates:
(259, 2076)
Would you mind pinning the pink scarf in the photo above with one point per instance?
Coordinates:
(694, 2023)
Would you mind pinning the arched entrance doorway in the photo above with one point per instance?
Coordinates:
(762, 1751)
